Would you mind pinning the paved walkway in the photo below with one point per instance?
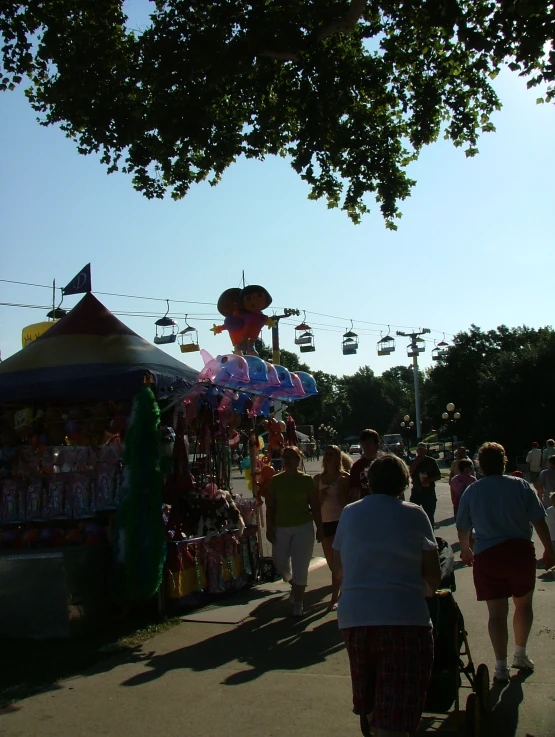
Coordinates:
(271, 676)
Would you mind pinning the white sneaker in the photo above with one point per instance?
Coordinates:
(523, 662)
(298, 610)
(501, 675)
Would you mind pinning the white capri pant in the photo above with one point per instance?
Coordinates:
(292, 552)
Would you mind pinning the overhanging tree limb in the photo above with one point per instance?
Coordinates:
(369, 86)
(345, 24)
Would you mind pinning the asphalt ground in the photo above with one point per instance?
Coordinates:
(274, 675)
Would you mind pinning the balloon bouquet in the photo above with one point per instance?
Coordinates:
(234, 389)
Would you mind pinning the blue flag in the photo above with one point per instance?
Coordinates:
(81, 283)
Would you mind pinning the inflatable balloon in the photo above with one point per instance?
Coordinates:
(244, 319)
(298, 391)
(260, 407)
(258, 371)
(34, 331)
(308, 383)
(266, 474)
(273, 378)
(284, 377)
(226, 370)
(239, 404)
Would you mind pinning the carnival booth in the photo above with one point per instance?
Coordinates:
(216, 538)
(115, 472)
(66, 400)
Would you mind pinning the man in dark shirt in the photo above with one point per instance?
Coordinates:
(369, 445)
(424, 473)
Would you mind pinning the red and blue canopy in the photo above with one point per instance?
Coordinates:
(90, 355)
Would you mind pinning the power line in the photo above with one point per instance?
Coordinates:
(213, 304)
(321, 327)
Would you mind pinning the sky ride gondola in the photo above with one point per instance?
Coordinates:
(166, 329)
(188, 339)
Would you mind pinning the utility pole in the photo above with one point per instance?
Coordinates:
(413, 349)
(275, 333)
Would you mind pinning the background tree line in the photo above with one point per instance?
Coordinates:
(499, 380)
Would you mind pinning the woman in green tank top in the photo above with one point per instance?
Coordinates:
(292, 509)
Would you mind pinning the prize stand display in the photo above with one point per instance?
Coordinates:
(67, 403)
(115, 469)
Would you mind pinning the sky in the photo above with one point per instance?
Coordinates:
(472, 247)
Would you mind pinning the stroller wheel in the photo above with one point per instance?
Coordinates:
(473, 725)
(481, 686)
(364, 726)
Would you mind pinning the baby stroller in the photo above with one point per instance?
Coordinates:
(452, 658)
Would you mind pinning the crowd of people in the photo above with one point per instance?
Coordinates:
(384, 560)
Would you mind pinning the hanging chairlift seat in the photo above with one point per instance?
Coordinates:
(168, 327)
(303, 334)
(308, 345)
(188, 340)
(166, 323)
(440, 351)
(438, 354)
(349, 343)
(304, 337)
(420, 347)
(386, 345)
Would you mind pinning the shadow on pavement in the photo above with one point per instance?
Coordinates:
(504, 703)
(446, 522)
(502, 717)
(270, 640)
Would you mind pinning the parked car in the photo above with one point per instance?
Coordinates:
(393, 443)
(355, 449)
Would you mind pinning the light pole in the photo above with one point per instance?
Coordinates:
(407, 424)
(415, 347)
(451, 416)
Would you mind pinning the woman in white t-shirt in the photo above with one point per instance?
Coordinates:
(386, 556)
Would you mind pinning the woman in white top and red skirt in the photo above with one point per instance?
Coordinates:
(386, 555)
(333, 493)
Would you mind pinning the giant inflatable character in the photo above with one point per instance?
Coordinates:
(244, 319)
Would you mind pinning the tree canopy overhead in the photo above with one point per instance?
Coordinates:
(349, 89)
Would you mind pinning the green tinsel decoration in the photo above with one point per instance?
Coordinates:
(140, 534)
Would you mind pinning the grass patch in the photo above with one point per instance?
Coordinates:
(29, 666)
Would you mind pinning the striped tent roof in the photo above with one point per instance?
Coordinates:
(90, 354)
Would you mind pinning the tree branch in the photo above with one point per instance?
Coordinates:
(345, 24)
(280, 55)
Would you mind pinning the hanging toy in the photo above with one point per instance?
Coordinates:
(228, 370)
(275, 437)
(244, 319)
(266, 473)
(290, 431)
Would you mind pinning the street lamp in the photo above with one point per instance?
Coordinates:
(450, 417)
(407, 424)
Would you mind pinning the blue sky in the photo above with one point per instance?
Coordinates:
(474, 244)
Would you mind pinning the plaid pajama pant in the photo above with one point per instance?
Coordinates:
(390, 672)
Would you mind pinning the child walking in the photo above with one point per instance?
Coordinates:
(459, 482)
